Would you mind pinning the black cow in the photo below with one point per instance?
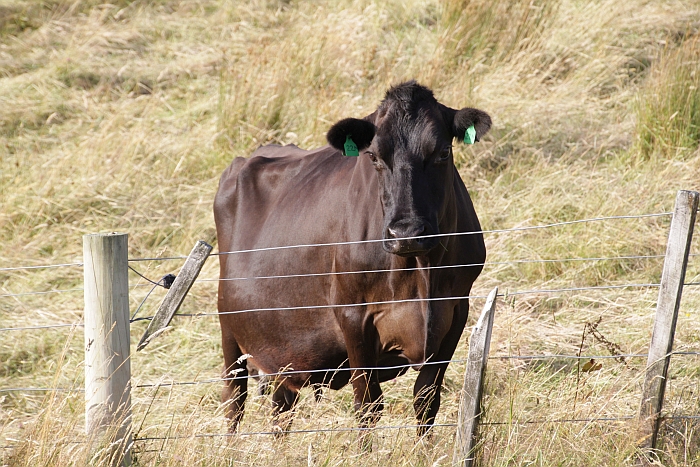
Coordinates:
(402, 190)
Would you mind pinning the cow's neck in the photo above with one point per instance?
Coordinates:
(442, 254)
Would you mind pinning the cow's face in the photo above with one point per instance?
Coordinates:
(409, 142)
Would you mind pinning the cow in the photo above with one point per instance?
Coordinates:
(375, 280)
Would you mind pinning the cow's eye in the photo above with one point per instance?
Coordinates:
(372, 156)
(444, 156)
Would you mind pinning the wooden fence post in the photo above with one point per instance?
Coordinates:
(667, 306)
(107, 363)
(470, 400)
(177, 293)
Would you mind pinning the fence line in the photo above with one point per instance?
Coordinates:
(41, 390)
(433, 299)
(386, 302)
(563, 420)
(329, 370)
(165, 258)
(318, 430)
(45, 326)
(400, 427)
(487, 263)
(571, 289)
(79, 289)
(39, 293)
(390, 427)
(44, 266)
(407, 365)
(450, 234)
(427, 268)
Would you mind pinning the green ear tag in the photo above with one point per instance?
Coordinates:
(470, 135)
(351, 147)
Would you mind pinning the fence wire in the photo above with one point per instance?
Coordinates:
(317, 430)
(22, 294)
(163, 384)
(427, 268)
(384, 302)
(290, 372)
(379, 428)
(399, 367)
(45, 266)
(431, 299)
(44, 326)
(41, 390)
(451, 234)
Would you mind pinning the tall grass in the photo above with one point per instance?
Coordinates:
(669, 104)
(122, 115)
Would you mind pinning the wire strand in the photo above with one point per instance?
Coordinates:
(450, 266)
(45, 266)
(41, 390)
(166, 258)
(22, 294)
(451, 234)
(562, 420)
(317, 430)
(413, 300)
(399, 367)
(46, 326)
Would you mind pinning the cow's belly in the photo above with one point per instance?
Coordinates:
(286, 339)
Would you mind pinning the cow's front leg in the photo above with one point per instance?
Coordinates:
(428, 386)
(361, 342)
(426, 396)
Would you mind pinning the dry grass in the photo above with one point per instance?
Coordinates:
(121, 117)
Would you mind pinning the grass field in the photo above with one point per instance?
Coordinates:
(121, 117)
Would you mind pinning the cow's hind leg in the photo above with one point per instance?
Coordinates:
(236, 381)
(283, 401)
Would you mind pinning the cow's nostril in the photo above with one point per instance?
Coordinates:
(423, 231)
(391, 233)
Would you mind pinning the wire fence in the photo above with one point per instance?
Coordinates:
(286, 373)
(450, 234)
(361, 304)
(429, 268)
(358, 429)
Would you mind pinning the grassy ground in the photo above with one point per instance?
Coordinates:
(121, 116)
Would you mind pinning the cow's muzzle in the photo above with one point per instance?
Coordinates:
(409, 239)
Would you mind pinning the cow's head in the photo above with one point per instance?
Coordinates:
(409, 142)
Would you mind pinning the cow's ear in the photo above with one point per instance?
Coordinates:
(465, 118)
(360, 131)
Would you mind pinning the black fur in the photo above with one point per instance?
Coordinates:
(361, 132)
(408, 97)
(467, 117)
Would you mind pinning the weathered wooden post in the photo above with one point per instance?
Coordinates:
(667, 306)
(470, 400)
(177, 293)
(107, 363)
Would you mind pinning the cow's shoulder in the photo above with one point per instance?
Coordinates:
(273, 171)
